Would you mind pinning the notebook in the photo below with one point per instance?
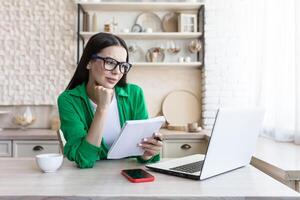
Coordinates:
(131, 134)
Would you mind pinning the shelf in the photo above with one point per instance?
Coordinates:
(168, 64)
(4, 112)
(149, 36)
(106, 6)
(141, 6)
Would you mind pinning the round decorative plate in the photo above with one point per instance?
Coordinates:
(170, 22)
(181, 107)
(149, 20)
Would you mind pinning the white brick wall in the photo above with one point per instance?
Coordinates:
(230, 47)
(297, 136)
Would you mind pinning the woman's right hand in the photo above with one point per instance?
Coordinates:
(103, 96)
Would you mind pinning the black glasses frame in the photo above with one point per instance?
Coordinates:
(94, 56)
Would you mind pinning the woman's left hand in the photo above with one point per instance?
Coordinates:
(152, 146)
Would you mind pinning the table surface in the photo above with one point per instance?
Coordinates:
(21, 177)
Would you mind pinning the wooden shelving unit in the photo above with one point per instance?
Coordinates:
(198, 8)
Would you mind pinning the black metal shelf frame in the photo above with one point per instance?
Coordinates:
(80, 12)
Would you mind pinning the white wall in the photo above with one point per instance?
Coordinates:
(297, 136)
(230, 48)
(37, 50)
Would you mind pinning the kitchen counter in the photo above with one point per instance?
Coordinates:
(28, 134)
(171, 134)
(20, 178)
(48, 134)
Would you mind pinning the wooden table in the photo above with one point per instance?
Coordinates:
(21, 179)
(281, 160)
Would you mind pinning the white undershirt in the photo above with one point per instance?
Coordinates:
(112, 127)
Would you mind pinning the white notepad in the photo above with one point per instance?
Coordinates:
(132, 133)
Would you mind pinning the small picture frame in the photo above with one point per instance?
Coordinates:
(187, 22)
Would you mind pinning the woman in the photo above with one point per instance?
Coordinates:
(98, 101)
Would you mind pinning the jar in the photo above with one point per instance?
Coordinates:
(108, 28)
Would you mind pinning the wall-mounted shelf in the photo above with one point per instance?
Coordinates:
(149, 36)
(103, 8)
(168, 64)
(142, 6)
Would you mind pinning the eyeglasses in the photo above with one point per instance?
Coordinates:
(110, 64)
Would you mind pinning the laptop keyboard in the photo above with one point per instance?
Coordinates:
(189, 168)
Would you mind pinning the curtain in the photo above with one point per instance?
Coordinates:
(277, 68)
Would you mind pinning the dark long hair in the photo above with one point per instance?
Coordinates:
(95, 44)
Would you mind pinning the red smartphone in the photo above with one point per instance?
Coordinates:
(137, 175)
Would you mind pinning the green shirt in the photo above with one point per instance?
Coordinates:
(76, 116)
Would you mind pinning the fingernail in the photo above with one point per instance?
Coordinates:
(145, 139)
(139, 144)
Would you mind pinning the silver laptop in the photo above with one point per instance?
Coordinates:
(231, 146)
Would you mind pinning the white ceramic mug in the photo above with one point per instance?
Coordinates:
(49, 162)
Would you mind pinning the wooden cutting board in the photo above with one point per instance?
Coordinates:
(181, 107)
